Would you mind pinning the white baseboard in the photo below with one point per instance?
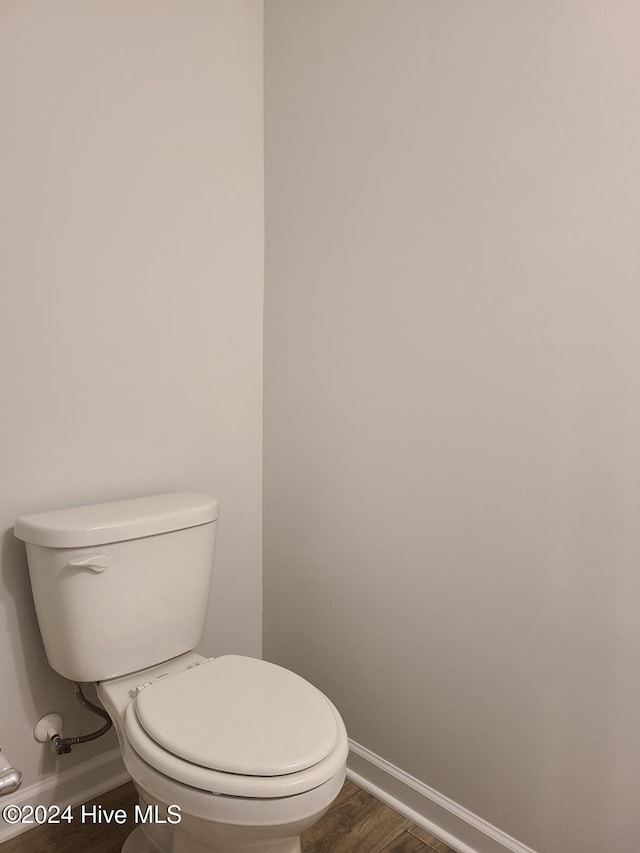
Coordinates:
(71, 787)
(456, 826)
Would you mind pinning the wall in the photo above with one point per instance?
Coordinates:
(452, 464)
(131, 298)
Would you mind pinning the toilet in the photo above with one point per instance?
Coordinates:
(228, 754)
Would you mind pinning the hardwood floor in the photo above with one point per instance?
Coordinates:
(356, 823)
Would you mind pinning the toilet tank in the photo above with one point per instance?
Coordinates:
(121, 586)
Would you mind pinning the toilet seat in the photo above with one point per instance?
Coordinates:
(239, 715)
(238, 726)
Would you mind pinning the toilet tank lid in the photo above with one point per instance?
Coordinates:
(116, 521)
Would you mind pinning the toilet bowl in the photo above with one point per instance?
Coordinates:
(246, 753)
(228, 754)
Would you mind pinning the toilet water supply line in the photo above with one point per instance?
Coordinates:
(10, 778)
(62, 745)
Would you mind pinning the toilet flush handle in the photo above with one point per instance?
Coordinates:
(96, 563)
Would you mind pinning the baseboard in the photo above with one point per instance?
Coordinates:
(71, 787)
(455, 825)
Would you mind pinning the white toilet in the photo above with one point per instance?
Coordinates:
(248, 754)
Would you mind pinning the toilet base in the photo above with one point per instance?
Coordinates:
(138, 842)
(186, 844)
(221, 823)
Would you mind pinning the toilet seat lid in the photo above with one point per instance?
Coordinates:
(240, 715)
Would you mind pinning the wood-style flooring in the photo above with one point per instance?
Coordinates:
(356, 823)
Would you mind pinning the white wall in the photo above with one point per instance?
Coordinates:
(131, 298)
(452, 463)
